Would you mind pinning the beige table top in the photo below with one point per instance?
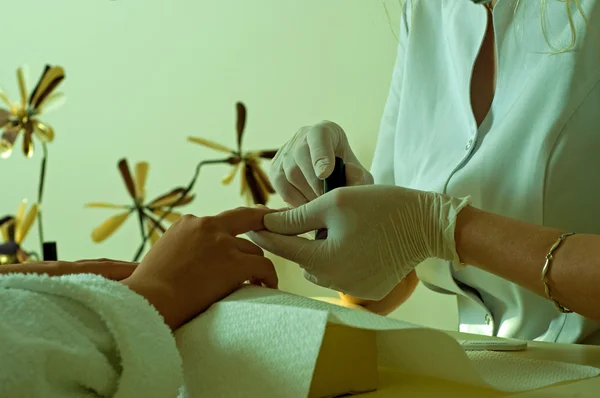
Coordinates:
(396, 384)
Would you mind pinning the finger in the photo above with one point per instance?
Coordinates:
(322, 150)
(295, 177)
(261, 269)
(303, 161)
(241, 220)
(293, 248)
(102, 261)
(354, 175)
(289, 193)
(295, 221)
(247, 247)
(283, 187)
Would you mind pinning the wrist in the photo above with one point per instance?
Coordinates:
(453, 212)
(159, 295)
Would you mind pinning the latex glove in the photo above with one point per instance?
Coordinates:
(298, 168)
(376, 235)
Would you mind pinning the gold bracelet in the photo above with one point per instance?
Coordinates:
(546, 269)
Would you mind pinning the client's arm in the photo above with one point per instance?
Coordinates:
(83, 335)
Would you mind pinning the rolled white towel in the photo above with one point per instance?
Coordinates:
(82, 336)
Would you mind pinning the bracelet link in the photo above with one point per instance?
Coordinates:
(546, 269)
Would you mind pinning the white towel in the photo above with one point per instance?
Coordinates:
(82, 336)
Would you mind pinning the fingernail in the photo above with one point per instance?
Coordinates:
(259, 206)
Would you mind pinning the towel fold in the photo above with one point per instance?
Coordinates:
(82, 336)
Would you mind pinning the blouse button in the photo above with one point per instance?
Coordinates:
(469, 145)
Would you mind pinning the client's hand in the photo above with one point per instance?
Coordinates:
(110, 269)
(199, 261)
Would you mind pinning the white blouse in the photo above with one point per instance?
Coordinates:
(535, 157)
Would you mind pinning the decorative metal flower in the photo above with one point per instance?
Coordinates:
(23, 116)
(255, 185)
(148, 214)
(14, 230)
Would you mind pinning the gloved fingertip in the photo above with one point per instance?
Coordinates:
(271, 220)
(323, 168)
(354, 175)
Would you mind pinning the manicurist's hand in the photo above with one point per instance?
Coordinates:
(199, 261)
(376, 236)
(302, 163)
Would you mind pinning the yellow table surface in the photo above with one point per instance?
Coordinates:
(396, 384)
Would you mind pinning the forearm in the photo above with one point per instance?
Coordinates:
(29, 268)
(393, 300)
(516, 251)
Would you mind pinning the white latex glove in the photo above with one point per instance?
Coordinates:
(377, 234)
(298, 168)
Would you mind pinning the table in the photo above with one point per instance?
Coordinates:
(396, 384)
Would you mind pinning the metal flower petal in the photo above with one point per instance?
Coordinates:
(103, 205)
(262, 177)
(22, 115)
(22, 228)
(170, 199)
(210, 144)
(7, 141)
(240, 124)
(127, 179)
(42, 131)
(27, 139)
(52, 102)
(254, 181)
(4, 227)
(108, 227)
(21, 79)
(136, 188)
(154, 232)
(171, 217)
(229, 177)
(141, 173)
(50, 79)
(4, 98)
(5, 117)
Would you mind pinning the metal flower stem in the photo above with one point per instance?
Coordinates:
(142, 229)
(41, 195)
(151, 230)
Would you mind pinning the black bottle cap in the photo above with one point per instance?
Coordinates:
(50, 253)
(337, 179)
